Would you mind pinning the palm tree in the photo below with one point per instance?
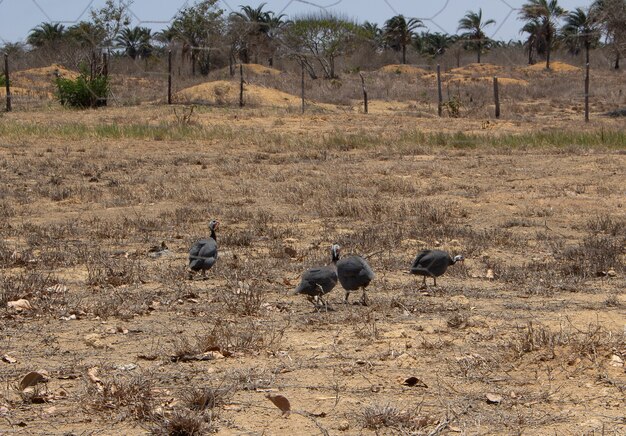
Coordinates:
(255, 22)
(473, 23)
(611, 15)
(434, 44)
(373, 34)
(86, 34)
(276, 24)
(135, 42)
(580, 30)
(45, 34)
(398, 33)
(547, 13)
(535, 41)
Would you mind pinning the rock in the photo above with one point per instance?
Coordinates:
(493, 398)
(20, 305)
(344, 426)
(611, 273)
(616, 361)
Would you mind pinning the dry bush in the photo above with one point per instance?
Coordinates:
(378, 416)
(596, 255)
(105, 271)
(536, 337)
(29, 284)
(183, 422)
(125, 396)
(228, 337)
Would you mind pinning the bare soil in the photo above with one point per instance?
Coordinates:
(526, 337)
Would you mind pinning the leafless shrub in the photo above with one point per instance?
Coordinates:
(536, 337)
(105, 271)
(251, 379)
(127, 396)
(379, 416)
(595, 255)
(29, 284)
(366, 326)
(242, 297)
(183, 422)
(200, 399)
(612, 301)
(608, 224)
(458, 321)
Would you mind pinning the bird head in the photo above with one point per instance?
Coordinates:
(334, 251)
(458, 258)
(214, 224)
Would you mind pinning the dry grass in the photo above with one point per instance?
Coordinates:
(534, 315)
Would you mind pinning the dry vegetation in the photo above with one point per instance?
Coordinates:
(526, 338)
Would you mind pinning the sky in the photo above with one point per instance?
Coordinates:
(17, 17)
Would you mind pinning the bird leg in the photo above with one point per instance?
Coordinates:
(435, 282)
(364, 299)
(424, 286)
(345, 301)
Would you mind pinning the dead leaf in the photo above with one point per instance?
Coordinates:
(286, 282)
(291, 252)
(32, 378)
(92, 375)
(20, 305)
(8, 359)
(494, 398)
(281, 402)
(414, 381)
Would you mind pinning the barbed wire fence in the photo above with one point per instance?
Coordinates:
(161, 77)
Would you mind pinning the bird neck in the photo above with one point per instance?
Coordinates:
(213, 235)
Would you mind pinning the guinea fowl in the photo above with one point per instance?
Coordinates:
(354, 273)
(433, 263)
(203, 254)
(319, 281)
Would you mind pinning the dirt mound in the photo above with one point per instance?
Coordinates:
(478, 69)
(402, 69)
(501, 80)
(555, 67)
(48, 72)
(221, 92)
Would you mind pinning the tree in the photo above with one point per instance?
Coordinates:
(86, 34)
(535, 41)
(321, 38)
(110, 19)
(547, 13)
(475, 35)
(254, 24)
(580, 31)
(45, 34)
(199, 28)
(611, 14)
(276, 25)
(398, 33)
(135, 42)
(433, 44)
(373, 35)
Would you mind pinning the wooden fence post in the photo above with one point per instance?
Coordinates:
(439, 93)
(302, 84)
(7, 81)
(587, 93)
(169, 77)
(240, 85)
(496, 96)
(365, 109)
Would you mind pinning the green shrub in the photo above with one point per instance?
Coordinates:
(83, 92)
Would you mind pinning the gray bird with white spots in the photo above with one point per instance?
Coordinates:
(319, 281)
(433, 263)
(354, 273)
(203, 254)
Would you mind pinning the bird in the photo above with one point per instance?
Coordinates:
(433, 263)
(319, 281)
(203, 253)
(354, 273)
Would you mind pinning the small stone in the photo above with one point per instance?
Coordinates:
(616, 361)
(611, 273)
(344, 426)
(494, 398)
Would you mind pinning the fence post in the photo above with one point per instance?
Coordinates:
(169, 77)
(240, 85)
(105, 73)
(587, 93)
(365, 109)
(496, 96)
(302, 84)
(7, 81)
(439, 93)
